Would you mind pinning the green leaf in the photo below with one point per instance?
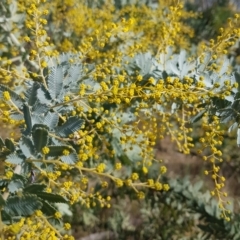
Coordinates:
(56, 151)
(1, 143)
(125, 160)
(14, 159)
(48, 209)
(6, 217)
(55, 81)
(27, 118)
(15, 98)
(20, 177)
(3, 183)
(40, 138)
(34, 188)
(51, 197)
(198, 186)
(24, 205)
(9, 144)
(14, 185)
(70, 126)
(2, 201)
(38, 125)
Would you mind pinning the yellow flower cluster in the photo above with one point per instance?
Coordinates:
(36, 227)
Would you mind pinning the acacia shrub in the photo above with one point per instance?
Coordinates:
(94, 114)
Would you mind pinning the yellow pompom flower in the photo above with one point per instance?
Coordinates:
(45, 150)
(6, 96)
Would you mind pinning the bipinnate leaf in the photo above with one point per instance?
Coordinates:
(3, 183)
(43, 95)
(15, 185)
(31, 93)
(143, 62)
(2, 201)
(233, 127)
(57, 151)
(70, 126)
(34, 188)
(22, 205)
(9, 144)
(51, 120)
(14, 159)
(40, 138)
(27, 118)
(1, 143)
(27, 147)
(55, 81)
(51, 197)
(39, 108)
(71, 158)
(17, 116)
(48, 209)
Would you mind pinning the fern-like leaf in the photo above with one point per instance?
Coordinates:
(51, 120)
(55, 81)
(14, 159)
(27, 147)
(34, 188)
(22, 206)
(31, 93)
(70, 126)
(51, 197)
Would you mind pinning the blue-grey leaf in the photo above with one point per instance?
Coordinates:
(70, 159)
(55, 81)
(16, 116)
(39, 108)
(51, 120)
(43, 96)
(14, 185)
(27, 147)
(37, 119)
(233, 126)
(14, 159)
(31, 93)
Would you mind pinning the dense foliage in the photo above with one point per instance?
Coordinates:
(90, 96)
